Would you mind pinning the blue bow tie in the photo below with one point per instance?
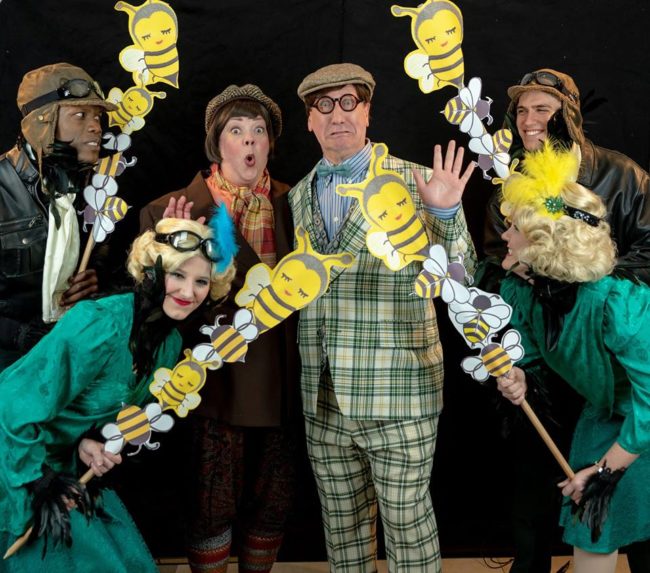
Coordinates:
(325, 170)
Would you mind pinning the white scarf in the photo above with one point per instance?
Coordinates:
(61, 255)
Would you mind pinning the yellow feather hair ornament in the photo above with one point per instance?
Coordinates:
(543, 176)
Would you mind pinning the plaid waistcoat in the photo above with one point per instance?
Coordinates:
(381, 340)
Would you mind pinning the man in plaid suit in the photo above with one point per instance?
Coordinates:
(371, 355)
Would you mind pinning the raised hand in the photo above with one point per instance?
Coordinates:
(446, 185)
(180, 209)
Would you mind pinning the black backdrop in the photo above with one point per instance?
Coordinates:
(604, 45)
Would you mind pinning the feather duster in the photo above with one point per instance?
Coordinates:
(596, 497)
(223, 235)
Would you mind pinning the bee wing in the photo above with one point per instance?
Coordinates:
(205, 352)
(474, 87)
(437, 262)
(164, 423)
(474, 366)
(453, 290)
(159, 421)
(160, 378)
(191, 401)
(132, 59)
(501, 310)
(103, 226)
(114, 439)
(257, 278)
(416, 65)
(472, 125)
(500, 164)
(465, 315)
(136, 123)
(115, 95)
(380, 247)
(515, 352)
(243, 317)
(482, 145)
(250, 332)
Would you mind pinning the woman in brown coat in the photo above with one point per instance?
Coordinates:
(242, 437)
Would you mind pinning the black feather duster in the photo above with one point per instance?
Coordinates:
(51, 515)
(594, 504)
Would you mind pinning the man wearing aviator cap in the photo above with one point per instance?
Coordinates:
(39, 178)
(546, 104)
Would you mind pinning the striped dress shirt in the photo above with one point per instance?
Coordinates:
(334, 208)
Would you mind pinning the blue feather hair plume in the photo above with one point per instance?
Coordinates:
(223, 236)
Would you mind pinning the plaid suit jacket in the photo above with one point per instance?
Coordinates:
(381, 341)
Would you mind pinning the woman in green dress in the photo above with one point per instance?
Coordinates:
(101, 355)
(593, 329)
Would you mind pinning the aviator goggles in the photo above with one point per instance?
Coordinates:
(550, 80)
(326, 104)
(185, 241)
(76, 88)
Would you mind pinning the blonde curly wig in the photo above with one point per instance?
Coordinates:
(145, 250)
(564, 248)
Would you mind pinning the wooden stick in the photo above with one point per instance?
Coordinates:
(541, 430)
(86, 256)
(84, 479)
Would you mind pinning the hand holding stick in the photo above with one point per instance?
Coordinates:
(513, 387)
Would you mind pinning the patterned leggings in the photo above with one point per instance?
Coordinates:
(244, 476)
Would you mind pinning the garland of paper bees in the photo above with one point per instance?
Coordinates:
(267, 298)
(153, 58)
(437, 30)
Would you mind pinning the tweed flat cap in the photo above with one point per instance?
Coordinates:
(333, 76)
(250, 92)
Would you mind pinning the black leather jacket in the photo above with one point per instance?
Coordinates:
(23, 238)
(625, 189)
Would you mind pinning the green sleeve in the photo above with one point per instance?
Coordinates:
(626, 333)
(35, 390)
(518, 296)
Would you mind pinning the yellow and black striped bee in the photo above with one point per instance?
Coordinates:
(483, 314)
(439, 278)
(178, 389)
(396, 234)
(103, 211)
(132, 106)
(468, 110)
(495, 358)
(153, 27)
(229, 342)
(297, 280)
(135, 426)
(437, 30)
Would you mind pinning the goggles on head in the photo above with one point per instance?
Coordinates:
(185, 241)
(548, 79)
(76, 88)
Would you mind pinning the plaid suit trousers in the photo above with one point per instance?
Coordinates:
(361, 464)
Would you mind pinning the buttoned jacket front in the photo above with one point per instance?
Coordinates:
(380, 340)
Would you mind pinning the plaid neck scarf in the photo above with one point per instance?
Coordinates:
(250, 209)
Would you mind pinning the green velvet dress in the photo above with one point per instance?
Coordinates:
(77, 377)
(604, 353)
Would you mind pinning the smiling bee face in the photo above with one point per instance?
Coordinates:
(391, 208)
(156, 32)
(439, 34)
